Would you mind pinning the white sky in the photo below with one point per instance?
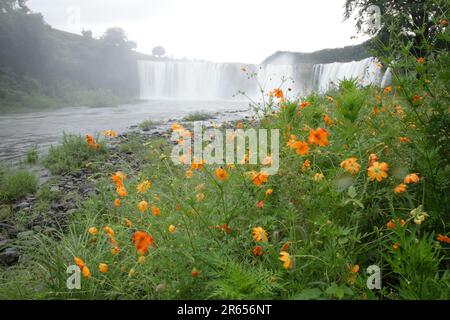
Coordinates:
(217, 30)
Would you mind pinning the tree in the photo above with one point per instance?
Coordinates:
(116, 37)
(415, 19)
(87, 34)
(159, 51)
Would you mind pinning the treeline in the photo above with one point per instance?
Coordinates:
(41, 66)
(345, 54)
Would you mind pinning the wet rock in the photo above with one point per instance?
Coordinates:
(9, 256)
(23, 205)
(25, 234)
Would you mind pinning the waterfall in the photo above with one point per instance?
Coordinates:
(197, 80)
(366, 71)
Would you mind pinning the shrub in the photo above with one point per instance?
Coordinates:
(15, 184)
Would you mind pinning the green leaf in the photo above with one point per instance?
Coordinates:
(351, 192)
(309, 294)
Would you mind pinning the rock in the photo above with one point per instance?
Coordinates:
(23, 205)
(54, 189)
(9, 256)
(71, 211)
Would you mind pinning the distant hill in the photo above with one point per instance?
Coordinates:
(345, 54)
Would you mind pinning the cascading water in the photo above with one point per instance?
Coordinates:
(196, 80)
(366, 71)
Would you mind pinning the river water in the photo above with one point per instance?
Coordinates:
(20, 132)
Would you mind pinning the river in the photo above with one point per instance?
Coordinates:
(19, 132)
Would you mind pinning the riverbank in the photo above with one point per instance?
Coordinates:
(352, 194)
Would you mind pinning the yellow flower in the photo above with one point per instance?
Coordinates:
(128, 223)
(143, 206)
(351, 165)
(141, 259)
(121, 192)
(115, 251)
(318, 177)
(378, 171)
(144, 186)
(287, 260)
(103, 267)
(172, 229)
(200, 197)
(110, 133)
(93, 231)
(260, 235)
(189, 174)
(269, 192)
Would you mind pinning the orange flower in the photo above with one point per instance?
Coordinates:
(198, 165)
(351, 165)
(93, 231)
(128, 223)
(277, 93)
(103, 267)
(109, 231)
(260, 235)
(221, 174)
(121, 192)
(411, 178)
(420, 60)
(142, 241)
(258, 178)
(387, 89)
(305, 104)
(86, 272)
(378, 171)
(155, 210)
(354, 269)
(301, 148)
(404, 139)
(144, 186)
(306, 164)
(176, 127)
(172, 229)
(372, 158)
(110, 133)
(292, 141)
(318, 137)
(395, 246)
(393, 224)
(401, 188)
(240, 125)
(143, 206)
(195, 273)
(260, 204)
(327, 120)
(443, 238)
(258, 251)
(79, 262)
(269, 192)
(416, 98)
(116, 202)
(287, 260)
(285, 246)
(115, 251)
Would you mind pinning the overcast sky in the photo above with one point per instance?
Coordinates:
(216, 30)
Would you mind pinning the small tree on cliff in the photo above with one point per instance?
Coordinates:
(159, 51)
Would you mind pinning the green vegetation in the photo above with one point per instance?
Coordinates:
(73, 154)
(148, 124)
(41, 67)
(198, 116)
(32, 156)
(15, 184)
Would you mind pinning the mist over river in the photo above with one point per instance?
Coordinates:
(21, 131)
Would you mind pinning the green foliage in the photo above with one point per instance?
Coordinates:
(198, 116)
(73, 154)
(15, 184)
(148, 124)
(32, 156)
(350, 99)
